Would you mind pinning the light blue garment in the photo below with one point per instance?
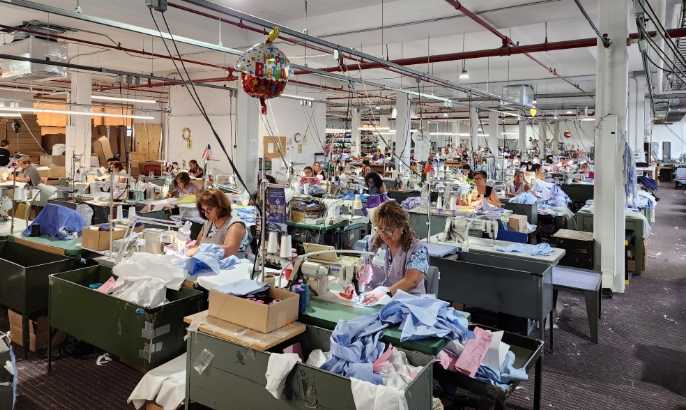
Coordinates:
(247, 215)
(440, 251)
(58, 222)
(501, 379)
(524, 198)
(425, 316)
(542, 249)
(243, 287)
(355, 344)
(208, 259)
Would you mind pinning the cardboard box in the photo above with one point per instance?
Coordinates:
(631, 266)
(92, 238)
(151, 405)
(57, 171)
(517, 223)
(256, 316)
(45, 160)
(39, 332)
(58, 160)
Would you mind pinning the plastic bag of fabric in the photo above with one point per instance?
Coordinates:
(147, 292)
(411, 203)
(147, 265)
(86, 213)
(58, 222)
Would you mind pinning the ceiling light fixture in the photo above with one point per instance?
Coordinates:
(10, 114)
(378, 108)
(297, 97)
(445, 114)
(464, 74)
(570, 112)
(107, 98)
(70, 112)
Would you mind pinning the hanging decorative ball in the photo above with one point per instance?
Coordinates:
(265, 70)
(567, 134)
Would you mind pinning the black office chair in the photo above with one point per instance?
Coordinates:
(433, 275)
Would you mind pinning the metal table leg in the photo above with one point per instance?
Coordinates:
(189, 337)
(538, 383)
(551, 329)
(25, 334)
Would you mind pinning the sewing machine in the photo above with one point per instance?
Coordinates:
(333, 210)
(318, 268)
(5, 207)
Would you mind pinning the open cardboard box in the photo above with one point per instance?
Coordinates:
(94, 239)
(256, 316)
(39, 332)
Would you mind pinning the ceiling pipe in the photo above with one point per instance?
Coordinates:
(117, 47)
(506, 40)
(169, 83)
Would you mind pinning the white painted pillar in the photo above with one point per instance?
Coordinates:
(355, 125)
(542, 140)
(660, 8)
(523, 141)
(636, 122)
(403, 125)
(474, 129)
(493, 132)
(611, 99)
(247, 139)
(80, 128)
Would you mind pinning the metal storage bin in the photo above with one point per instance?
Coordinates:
(144, 337)
(235, 377)
(24, 275)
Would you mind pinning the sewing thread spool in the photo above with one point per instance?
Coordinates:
(120, 212)
(439, 204)
(132, 211)
(285, 246)
(272, 245)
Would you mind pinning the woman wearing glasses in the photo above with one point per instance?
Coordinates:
(484, 191)
(220, 228)
(407, 259)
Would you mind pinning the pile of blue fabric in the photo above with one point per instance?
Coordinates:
(526, 198)
(558, 197)
(542, 249)
(209, 258)
(58, 222)
(246, 215)
(411, 203)
(355, 344)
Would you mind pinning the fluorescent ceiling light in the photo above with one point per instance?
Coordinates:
(465, 134)
(570, 112)
(335, 130)
(445, 114)
(588, 119)
(107, 98)
(373, 128)
(378, 108)
(509, 133)
(70, 112)
(10, 114)
(464, 74)
(297, 97)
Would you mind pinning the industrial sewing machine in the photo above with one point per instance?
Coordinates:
(317, 270)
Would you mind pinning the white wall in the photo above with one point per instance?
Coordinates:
(221, 110)
(662, 134)
(286, 117)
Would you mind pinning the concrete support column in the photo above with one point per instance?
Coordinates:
(636, 122)
(493, 132)
(473, 129)
(556, 138)
(403, 124)
(247, 139)
(80, 128)
(523, 141)
(611, 105)
(542, 140)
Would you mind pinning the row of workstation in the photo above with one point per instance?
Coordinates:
(147, 338)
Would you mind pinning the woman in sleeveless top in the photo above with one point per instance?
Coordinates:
(184, 186)
(231, 234)
(407, 259)
(484, 191)
(519, 186)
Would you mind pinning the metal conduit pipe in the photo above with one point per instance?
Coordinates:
(117, 47)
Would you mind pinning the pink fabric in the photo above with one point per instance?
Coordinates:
(447, 360)
(107, 286)
(382, 360)
(474, 351)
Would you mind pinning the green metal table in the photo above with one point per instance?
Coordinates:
(326, 314)
(336, 229)
(71, 247)
(584, 222)
(578, 192)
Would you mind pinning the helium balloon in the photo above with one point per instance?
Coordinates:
(264, 70)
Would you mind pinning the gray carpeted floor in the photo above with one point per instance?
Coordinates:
(640, 362)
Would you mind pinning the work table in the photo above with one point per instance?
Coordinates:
(485, 246)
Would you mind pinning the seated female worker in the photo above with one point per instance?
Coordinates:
(183, 186)
(485, 191)
(407, 259)
(220, 228)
